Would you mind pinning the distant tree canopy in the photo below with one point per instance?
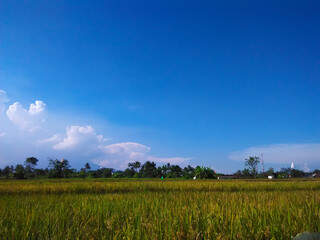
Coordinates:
(252, 163)
(30, 164)
(62, 169)
(59, 169)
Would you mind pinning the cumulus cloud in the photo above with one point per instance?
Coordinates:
(77, 144)
(122, 153)
(54, 139)
(3, 100)
(76, 137)
(301, 154)
(83, 140)
(27, 119)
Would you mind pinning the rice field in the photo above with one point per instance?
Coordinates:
(158, 209)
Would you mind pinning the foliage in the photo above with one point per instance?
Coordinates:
(30, 164)
(19, 172)
(252, 163)
(134, 165)
(7, 171)
(84, 171)
(102, 173)
(59, 169)
(148, 170)
(204, 172)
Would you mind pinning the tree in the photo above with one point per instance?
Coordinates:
(19, 172)
(175, 171)
(31, 161)
(148, 170)
(102, 173)
(270, 172)
(59, 169)
(29, 164)
(87, 166)
(188, 172)
(204, 172)
(297, 173)
(252, 163)
(134, 165)
(7, 171)
(84, 171)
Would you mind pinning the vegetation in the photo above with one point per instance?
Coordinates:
(62, 169)
(252, 163)
(158, 209)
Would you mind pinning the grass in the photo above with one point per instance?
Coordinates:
(154, 209)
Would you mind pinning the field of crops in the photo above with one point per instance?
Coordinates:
(158, 209)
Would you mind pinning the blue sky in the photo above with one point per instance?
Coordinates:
(201, 83)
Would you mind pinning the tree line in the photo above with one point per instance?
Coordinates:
(62, 169)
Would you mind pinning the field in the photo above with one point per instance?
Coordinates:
(158, 209)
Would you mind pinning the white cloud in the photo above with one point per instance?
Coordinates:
(174, 160)
(282, 153)
(78, 144)
(27, 119)
(3, 100)
(54, 139)
(125, 148)
(82, 141)
(77, 137)
(3, 134)
(37, 108)
(120, 154)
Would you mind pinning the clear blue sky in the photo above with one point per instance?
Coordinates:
(188, 79)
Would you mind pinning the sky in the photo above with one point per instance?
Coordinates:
(205, 83)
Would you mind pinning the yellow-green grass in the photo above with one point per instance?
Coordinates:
(154, 209)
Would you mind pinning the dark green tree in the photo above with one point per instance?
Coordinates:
(84, 171)
(175, 171)
(134, 165)
(252, 163)
(148, 170)
(8, 171)
(204, 172)
(102, 173)
(59, 169)
(30, 164)
(188, 172)
(87, 166)
(19, 172)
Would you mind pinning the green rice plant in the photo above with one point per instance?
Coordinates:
(153, 209)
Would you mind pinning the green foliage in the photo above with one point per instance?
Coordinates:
(59, 169)
(252, 163)
(188, 172)
(19, 172)
(31, 161)
(148, 170)
(30, 164)
(102, 173)
(204, 173)
(7, 171)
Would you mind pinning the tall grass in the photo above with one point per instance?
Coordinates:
(158, 209)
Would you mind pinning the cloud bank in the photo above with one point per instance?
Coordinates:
(30, 134)
(84, 140)
(126, 152)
